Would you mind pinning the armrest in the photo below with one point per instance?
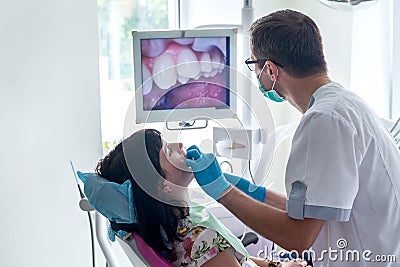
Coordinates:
(249, 238)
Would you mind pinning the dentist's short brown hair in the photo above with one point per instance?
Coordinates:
(291, 39)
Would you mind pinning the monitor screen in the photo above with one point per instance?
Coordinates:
(186, 74)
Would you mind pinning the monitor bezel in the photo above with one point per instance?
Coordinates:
(148, 116)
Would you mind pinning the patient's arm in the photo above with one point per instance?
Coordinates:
(225, 258)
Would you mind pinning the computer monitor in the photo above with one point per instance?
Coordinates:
(183, 75)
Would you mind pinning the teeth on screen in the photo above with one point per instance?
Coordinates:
(206, 74)
(216, 59)
(147, 80)
(205, 62)
(164, 71)
(169, 69)
(213, 72)
(183, 80)
(221, 67)
(187, 64)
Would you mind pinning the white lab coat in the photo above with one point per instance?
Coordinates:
(344, 168)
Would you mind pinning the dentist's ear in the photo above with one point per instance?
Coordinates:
(271, 71)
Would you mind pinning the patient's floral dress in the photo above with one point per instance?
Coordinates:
(199, 246)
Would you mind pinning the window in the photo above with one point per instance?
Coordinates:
(116, 19)
(396, 60)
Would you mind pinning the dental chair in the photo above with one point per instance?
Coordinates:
(128, 245)
(139, 253)
(135, 247)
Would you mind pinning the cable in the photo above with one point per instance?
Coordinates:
(92, 239)
(251, 175)
(229, 164)
(83, 199)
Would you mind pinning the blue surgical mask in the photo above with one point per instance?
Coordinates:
(271, 94)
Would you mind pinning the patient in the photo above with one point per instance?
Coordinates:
(162, 204)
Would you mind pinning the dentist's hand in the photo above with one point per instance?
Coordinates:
(207, 172)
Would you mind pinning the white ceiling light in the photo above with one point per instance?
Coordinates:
(348, 4)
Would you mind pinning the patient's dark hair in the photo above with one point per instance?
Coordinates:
(151, 213)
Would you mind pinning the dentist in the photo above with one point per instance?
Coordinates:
(342, 178)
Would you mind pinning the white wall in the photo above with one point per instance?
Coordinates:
(50, 113)
(357, 48)
(371, 62)
(396, 60)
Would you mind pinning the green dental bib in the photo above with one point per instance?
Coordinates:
(201, 216)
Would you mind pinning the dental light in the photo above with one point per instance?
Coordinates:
(348, 4)
(183, 75)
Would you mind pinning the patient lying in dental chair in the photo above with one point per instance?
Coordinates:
(152, 177)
